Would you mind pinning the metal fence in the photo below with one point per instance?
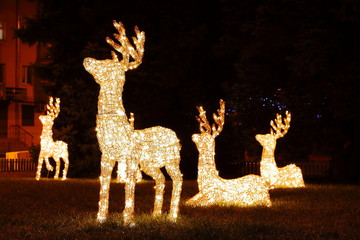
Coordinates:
(309, 169)
(17, 165)
(315, 169)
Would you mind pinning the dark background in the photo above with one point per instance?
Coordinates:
(261, 57)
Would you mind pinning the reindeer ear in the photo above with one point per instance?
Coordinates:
(114, 56)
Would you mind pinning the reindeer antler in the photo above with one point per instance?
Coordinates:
(218, 126)
(53, 109)
(132, 119)
(219, 119)
(126, 48)
(204, 123)
(280, 128)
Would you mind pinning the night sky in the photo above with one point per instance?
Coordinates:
(261, 57)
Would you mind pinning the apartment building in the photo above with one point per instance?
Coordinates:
(22, 98)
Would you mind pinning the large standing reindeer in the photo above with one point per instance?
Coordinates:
(289, 176)
(250, 190)
(151, 148)
(49, 148)
(121, 167)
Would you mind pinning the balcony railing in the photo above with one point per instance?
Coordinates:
(309, 169)
(18, 133)
(16, 94)
(17, 165)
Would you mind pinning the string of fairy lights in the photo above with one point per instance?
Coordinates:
(289, 176)
(250, 190)
(50, 148)
(150, 149)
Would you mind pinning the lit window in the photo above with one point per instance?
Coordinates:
(27, 74)
(2, 30)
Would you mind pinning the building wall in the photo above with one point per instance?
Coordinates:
(19, 96)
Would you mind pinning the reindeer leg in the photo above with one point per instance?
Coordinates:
(128, 214)
(105, 178)
(66, 167)
(38, 171)
(121, 171)
(193, 200)
(57, 168)
(138, 175)
(48, 165)
(175, 174)
(159, 178)
(65, 158)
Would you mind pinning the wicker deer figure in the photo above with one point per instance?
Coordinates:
(121, 167)
(151, 148)
(250, 190)
(49, 148)
(289, 176)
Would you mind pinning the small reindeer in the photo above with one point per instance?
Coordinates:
(250, 190)
(289, 176)
(151, 148)
(49, 148)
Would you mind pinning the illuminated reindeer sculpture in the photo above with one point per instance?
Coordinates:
(151, 148)
(49, 148)
(250, 190)
(121, 167)
(289, 176)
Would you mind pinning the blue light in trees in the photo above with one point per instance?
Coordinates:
(268, 102)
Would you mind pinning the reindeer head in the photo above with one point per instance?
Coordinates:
(205, 139)
(112, 71)
(269, 140)
(53, 110)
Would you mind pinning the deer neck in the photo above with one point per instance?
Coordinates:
(207, 171)
(110, 100)
(111, 110)
(46, 134)
(268, 156)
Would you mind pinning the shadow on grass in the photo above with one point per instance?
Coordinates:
(51, 209)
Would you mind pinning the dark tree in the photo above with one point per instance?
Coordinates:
(178, 71)
(301, 56)
(261, 57)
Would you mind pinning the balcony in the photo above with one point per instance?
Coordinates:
(16, 94)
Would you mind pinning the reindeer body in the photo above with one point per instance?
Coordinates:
(151, 148)
(289, 176)
(162, 141)
(250, 190)
(57, 150)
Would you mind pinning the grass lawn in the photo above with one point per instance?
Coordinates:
(54, 209)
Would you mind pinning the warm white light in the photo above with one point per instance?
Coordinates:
(49, 148)
(250, 190)
(151, 148)
(121, 166)
(289, 176)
